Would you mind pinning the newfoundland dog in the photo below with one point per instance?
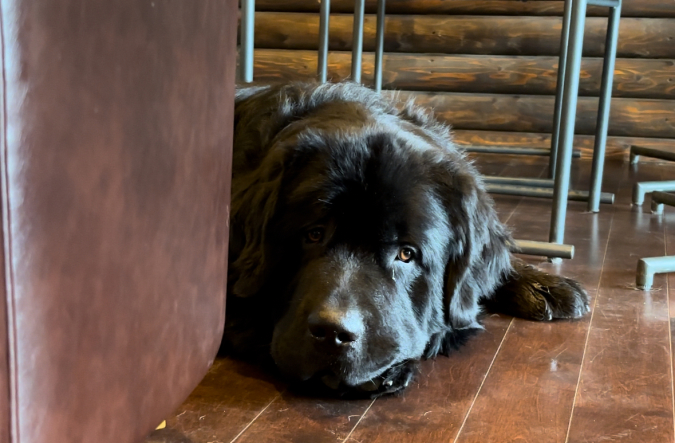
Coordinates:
(363, 240)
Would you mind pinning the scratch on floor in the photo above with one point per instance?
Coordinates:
(255, 418)
(615, 436)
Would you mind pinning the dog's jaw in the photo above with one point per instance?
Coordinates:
(393, 380)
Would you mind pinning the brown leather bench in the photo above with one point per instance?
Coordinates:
(115, 167)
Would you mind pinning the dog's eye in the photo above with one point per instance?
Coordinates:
(405, 255)
(314, 235)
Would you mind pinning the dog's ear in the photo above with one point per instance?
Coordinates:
(260, 161)
(479, 254)
(253, 208)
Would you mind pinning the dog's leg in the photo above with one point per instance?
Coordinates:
(535, 295)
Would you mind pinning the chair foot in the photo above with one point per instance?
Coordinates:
(647, 267)
(657, 208)
(642, 188)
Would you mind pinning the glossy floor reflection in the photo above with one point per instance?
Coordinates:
(607, 377)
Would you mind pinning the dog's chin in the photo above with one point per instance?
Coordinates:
(388, 380)
(332, 380)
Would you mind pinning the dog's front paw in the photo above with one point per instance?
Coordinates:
(536, 295)
(565, 298)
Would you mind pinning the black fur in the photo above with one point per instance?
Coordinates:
(372, 176)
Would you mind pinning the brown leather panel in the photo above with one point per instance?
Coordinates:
(118, 149)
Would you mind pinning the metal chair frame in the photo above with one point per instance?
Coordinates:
(647, 267)
(562, 138)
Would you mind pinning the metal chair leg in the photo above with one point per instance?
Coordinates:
(568, 114)
(544, 249)
(379, 45)
(659, 199)
(247, 40)
(642, 188)
(637, 151)
(357, 40)
(647, 267)
(324, 29)
(560, 86)
(604, 108)
(543, 192)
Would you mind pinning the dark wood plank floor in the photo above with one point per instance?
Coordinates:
(607, 377)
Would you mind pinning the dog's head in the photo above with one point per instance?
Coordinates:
(360, 235)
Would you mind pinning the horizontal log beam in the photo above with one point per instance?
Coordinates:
(631, 8)
(639, 37)
(629, 117)
(636, 78)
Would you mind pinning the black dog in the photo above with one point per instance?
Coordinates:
(362, 239)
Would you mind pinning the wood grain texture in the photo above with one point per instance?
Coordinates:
(625, 390)
(322, 420)
(631, 8)
(639, 37)
(435, 406)
(529, 394)
(629, 117)
(229, 398)
(638, 78)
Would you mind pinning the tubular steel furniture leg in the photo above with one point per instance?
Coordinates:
(647, 267)
(572, 32)
(642, 188)
(531, 191)
(247, 40)
(379, 45)
(560, 86)
(604, 108)
(324, 30)
(637, 151)
(517, 181)
(513, 150)
(568, 114)
(661, 198)
(541, 248)
(357, 40)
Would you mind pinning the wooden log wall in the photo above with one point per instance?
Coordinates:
(489, 67)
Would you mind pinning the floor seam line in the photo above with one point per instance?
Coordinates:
(255, 418)
(590, 321)
(480, 388)
(360, 418)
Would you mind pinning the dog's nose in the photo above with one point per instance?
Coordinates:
(335, 328)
